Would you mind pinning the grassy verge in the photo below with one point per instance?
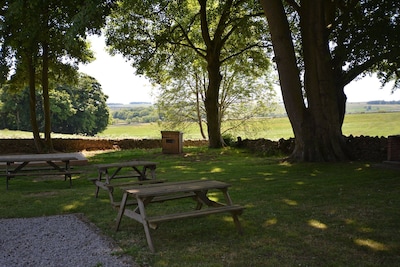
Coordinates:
(344, 214)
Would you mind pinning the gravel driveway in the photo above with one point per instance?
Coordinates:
(62, 240)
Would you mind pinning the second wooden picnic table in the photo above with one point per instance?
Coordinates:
(144, 171)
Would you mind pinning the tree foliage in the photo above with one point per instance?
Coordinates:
(245, 93)
(321, 46)
(141, 114)
(162, 38)
(75, 109)
(42, 41)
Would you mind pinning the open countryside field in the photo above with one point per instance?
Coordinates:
(362, 119)
(367, 124)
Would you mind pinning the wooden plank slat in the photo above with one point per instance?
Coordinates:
(39, 173)
(195, 213)
(135, 183)
(175, 187)
(156, 199)
(135, 163)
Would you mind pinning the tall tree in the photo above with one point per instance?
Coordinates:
(78, 108)
(46, 39)
(321, 46)
(246, 92)
(151, 33)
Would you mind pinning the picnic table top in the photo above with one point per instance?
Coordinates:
(43, 157)
(152, 190)
(132, 163)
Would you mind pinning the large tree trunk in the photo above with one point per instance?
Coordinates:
(212, 104)
(317, 122)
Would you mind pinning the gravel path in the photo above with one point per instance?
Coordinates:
(62, 240)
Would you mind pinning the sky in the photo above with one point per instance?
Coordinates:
(118, 80)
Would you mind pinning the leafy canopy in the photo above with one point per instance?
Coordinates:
(160, 35)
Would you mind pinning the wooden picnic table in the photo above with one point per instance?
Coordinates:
(15, 165)
(144, 171)
(198, 190)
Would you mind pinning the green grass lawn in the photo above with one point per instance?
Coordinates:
(342, 214)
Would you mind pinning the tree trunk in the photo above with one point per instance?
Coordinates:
(46, 99)
(317, 123)
(198, 103)
(212, 104)
(32, 106)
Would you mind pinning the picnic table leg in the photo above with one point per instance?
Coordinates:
(202, 198)
(234, 214)
(7, 178)
(142, 211)
(121, 210)
(96, 192)
(9, 171)
(69, 175)
(7, 174)
(153, 172)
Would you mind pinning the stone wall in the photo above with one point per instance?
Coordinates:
(361, 148)
(20, 146)
(364, 148)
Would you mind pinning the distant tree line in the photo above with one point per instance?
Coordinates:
(153, 113)
(383, 102)
(75, 109)
(141, 114)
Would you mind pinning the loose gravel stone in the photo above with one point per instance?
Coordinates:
(62, 240)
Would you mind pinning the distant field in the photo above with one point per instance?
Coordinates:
(363, 107)
(368, 124)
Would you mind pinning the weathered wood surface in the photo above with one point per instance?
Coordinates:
(147, 194)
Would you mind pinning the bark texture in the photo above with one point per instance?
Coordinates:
(316, 117)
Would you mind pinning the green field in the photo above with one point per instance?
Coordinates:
(367, 124)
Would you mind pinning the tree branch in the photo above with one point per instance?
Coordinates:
(293, 4)
(204, 25)
(351, 74)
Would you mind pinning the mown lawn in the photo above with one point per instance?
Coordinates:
(342, 214)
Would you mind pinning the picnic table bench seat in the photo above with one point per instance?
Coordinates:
(235, 209)
(39, 173)
(111, 186)
(117, 204)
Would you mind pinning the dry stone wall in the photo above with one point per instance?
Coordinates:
(364, 148)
